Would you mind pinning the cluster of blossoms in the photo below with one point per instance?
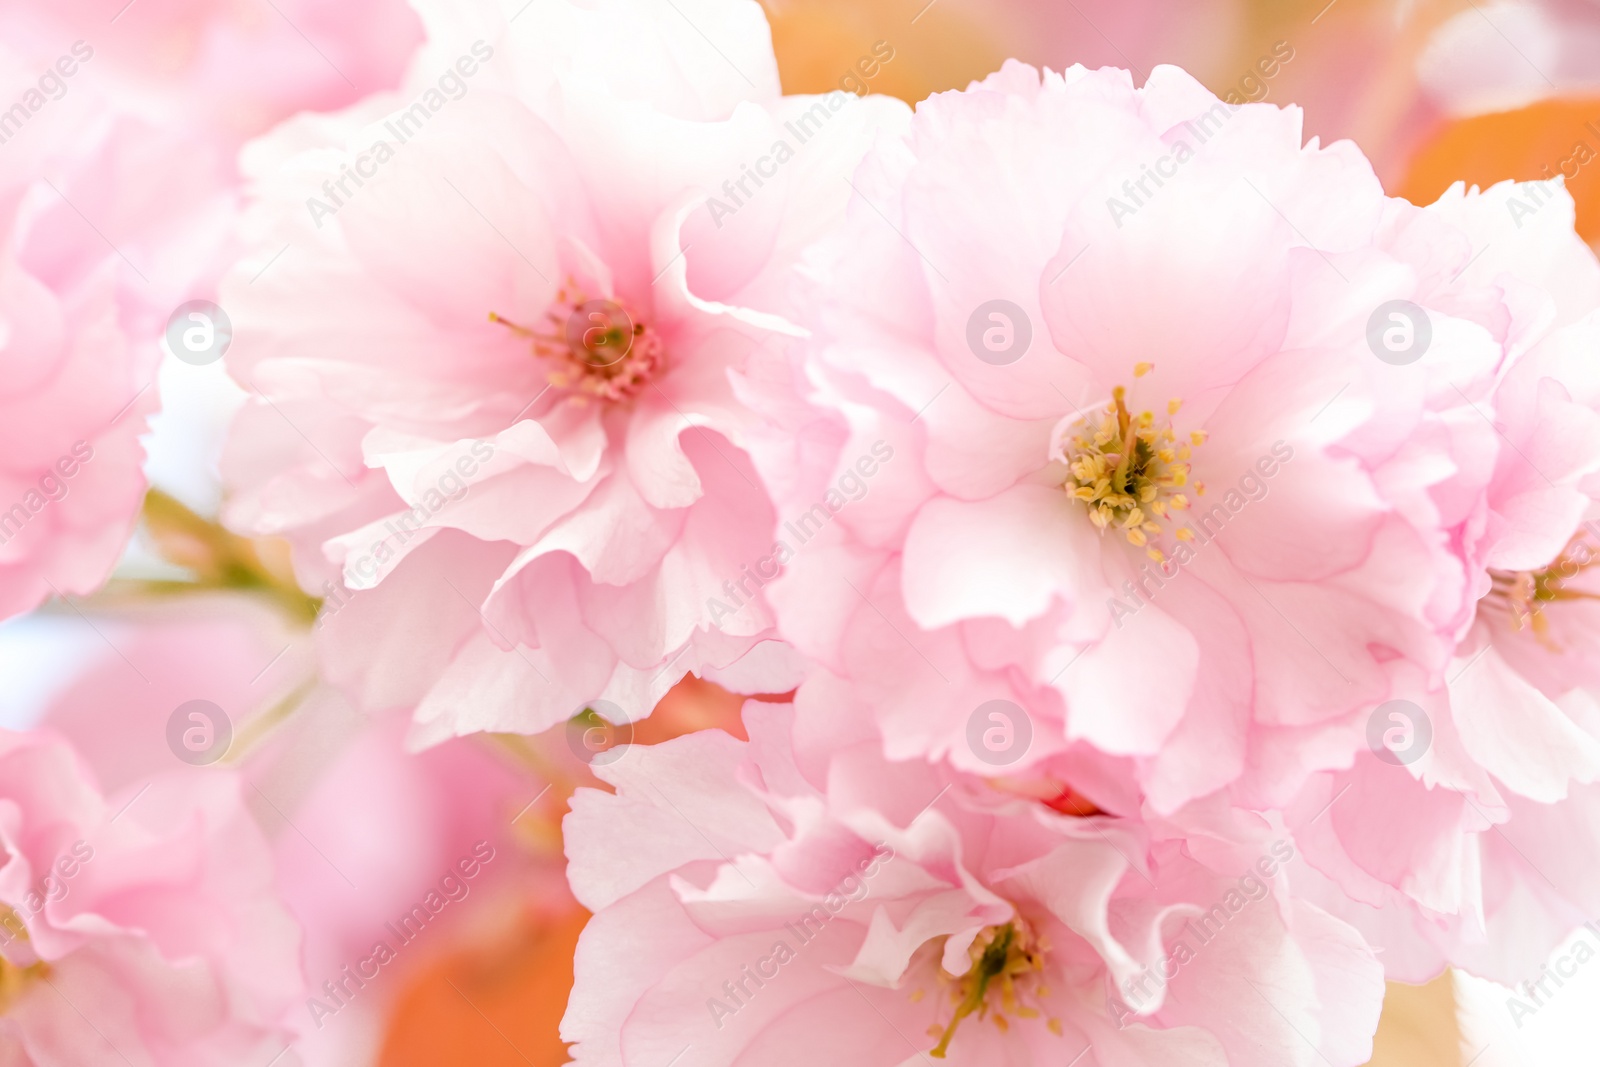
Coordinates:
(1195, 620)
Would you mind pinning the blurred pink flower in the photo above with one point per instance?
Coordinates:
(235, 68)
(233, 651)
(754, 904)
(1503, 55)
(136, 115)
(74, 397)
(494, 369)
(375, 834)
(117, 183)
(149, 915)
(360, 832)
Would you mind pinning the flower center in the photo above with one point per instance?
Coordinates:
(1128, 469)
(1524, 595)
(1053, 793)
(15, 979)
(1004, 979)
(594, 349)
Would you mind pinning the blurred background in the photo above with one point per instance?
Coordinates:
(1433, 91)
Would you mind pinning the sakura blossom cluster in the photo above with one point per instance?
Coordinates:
(1164, 622)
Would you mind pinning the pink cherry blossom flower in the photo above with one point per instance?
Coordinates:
(1151, 482)
(76, 390)
(755, 904)
(116, 189)
(1464, 836)
(74, 396)
(137, 118)
(493, 370)
(138, 928)
(360, 832)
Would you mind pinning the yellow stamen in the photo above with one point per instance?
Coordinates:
(1528, 596)
(1126, 467)
(15, 979)
(1006, 959)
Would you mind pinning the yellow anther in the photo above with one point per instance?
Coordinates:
(1128, 468)
(1001, 979)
